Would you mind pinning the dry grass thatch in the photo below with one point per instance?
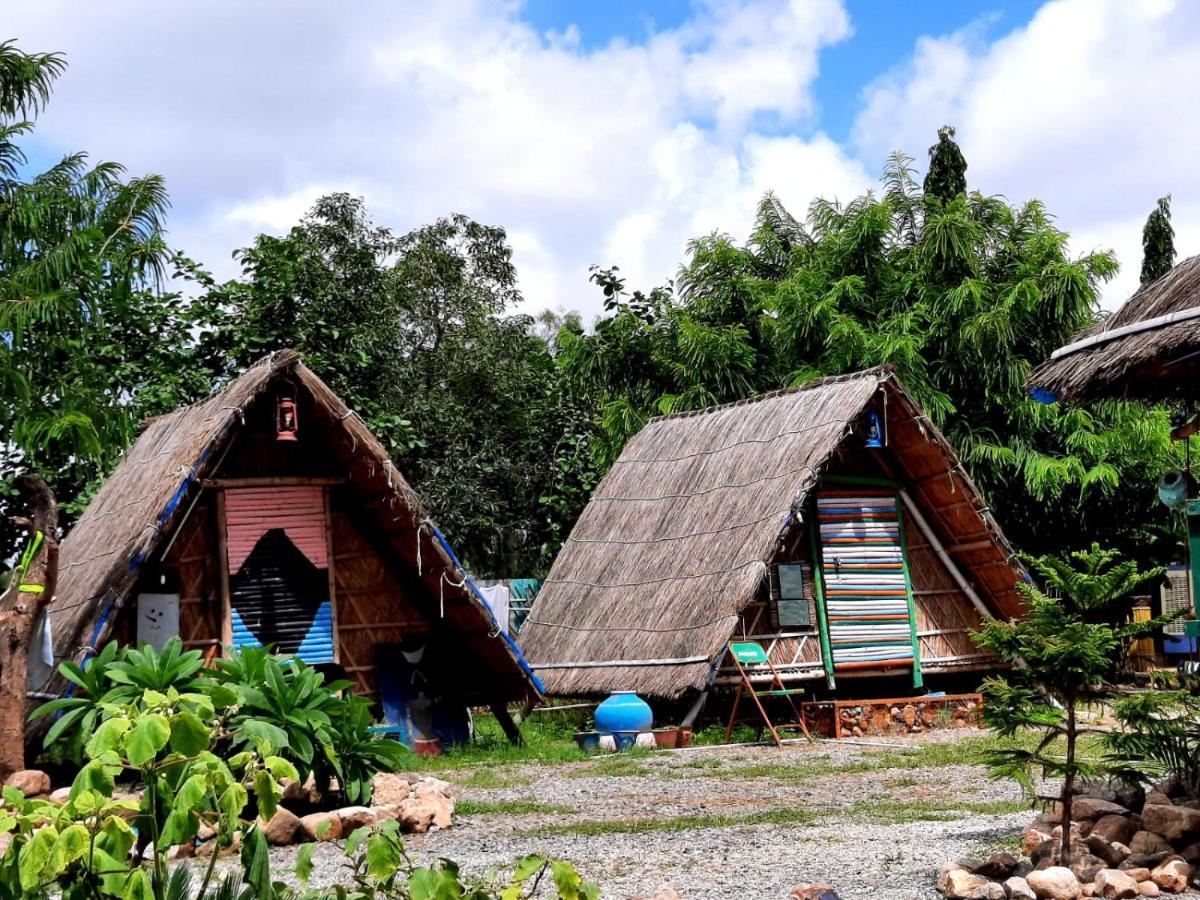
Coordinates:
(149, 494)
(1161, 362)
(679, 535)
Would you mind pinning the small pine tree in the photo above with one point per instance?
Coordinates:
(1063, 654)
(1158, 242)
(947, 175)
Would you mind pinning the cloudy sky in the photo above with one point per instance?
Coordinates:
(612, 132)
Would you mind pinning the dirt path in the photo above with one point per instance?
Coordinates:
(872, 821)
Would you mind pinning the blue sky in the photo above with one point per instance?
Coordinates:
(614, 132)
(885, 32)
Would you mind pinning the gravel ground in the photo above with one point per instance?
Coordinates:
(827, 822)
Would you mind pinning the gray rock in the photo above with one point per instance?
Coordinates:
(1113, 884)
(1018, 889)
(1114, 828)
(1054, 883)
(1172, 822)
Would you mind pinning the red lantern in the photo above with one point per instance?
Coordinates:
(286, 422)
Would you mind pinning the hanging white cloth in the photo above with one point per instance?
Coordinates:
(498, 597)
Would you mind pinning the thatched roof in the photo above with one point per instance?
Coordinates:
(149, 493)
(1149, 349)
(678, 536)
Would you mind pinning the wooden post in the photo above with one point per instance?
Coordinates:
(329, 554)
(511, 731)
(814, 528)
(31, 589)
(917, 679)
(223, 564)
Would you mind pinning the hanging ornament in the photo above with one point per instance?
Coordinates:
(286, 420)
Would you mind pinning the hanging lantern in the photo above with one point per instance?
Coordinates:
(286, 422)
(874, 438)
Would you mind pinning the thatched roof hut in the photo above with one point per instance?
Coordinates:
(678, 549)
(204, 478)
(1149, 349)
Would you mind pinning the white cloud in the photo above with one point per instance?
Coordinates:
(617, 154)
(1090, 107)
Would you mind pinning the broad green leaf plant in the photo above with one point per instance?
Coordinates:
(379, 868)
(319, 728)
(100, 842)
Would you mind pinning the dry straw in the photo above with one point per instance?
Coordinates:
(677, 539)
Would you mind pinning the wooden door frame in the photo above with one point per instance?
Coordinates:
(219, 487)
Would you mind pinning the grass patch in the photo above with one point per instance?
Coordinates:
(622, 765)
(972, 751)
(597, 827)
(703, 762)
(782, 771)
(901, 812)
(880, 813)
(509, 808)
(546, 743)
(490, 779)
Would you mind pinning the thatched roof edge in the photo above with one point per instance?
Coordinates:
(1149, 349)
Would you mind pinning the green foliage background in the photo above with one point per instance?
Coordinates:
(504, 422)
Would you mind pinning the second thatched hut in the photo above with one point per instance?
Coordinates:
(833, 524)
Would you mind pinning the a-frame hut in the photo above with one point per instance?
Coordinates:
(833, 524)
(268, 514)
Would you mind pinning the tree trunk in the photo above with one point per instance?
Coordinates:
(31, 588)
(1068, 790)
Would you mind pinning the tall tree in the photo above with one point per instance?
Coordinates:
(961, 296)
(90, 343)
(1158, 242)
(947, 175)
(415, 332)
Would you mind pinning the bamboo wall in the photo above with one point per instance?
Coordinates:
(945, 615)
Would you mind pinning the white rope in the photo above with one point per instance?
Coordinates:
(596, 584)
(681, 537)
(419, 527)
(627, 628)
(442, 582)
(708, 452)
(719, 487)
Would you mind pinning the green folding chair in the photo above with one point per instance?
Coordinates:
(749, 653)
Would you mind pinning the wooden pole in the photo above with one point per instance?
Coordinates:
(511, 731)
(30, 590)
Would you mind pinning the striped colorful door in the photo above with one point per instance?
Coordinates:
(278, 553)
(864, 569)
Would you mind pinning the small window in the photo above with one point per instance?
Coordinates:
(792, 605)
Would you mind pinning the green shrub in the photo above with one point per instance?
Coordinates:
(321, 729)
(381, 869)
(99, 845)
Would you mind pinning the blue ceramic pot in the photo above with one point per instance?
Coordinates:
(588, 741)
(626, 740)
(624, 711)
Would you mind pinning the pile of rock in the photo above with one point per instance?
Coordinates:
(418, 806)
(907, 718)
(1124, 843)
